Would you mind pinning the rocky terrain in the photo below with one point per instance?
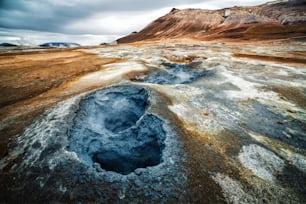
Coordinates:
(178, 120)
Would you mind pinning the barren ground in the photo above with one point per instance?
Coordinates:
(234, 115)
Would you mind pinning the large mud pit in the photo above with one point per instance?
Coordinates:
(107, 146)
(112, 129)
(176, 74)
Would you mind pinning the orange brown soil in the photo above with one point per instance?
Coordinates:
(294, 94)
(272, 58)
(28, 75)
(40, 80)
(183, 60)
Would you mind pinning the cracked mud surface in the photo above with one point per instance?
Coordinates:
(194, 122)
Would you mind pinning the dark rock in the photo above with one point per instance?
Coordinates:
(174, 9)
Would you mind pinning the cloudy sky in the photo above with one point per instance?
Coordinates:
(96, 17)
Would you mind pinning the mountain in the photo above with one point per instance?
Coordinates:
(7, 45)
(60, 44)
(273, 20)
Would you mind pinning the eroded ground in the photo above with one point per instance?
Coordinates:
(155, 122)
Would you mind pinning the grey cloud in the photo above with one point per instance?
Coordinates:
(53, 15)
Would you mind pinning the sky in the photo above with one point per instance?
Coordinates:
(92, 18)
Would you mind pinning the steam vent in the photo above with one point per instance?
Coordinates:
(200, 106)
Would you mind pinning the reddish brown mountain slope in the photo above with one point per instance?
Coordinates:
(274, 20)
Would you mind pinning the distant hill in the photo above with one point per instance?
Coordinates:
(60, 44)
(7, 45)
(273, 20)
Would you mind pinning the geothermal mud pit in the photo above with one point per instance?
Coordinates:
(175, 74)
(107, 142)
(112, 129)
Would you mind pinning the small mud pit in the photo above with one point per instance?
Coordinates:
(111, 128)
(175, 74)
(274, 125)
